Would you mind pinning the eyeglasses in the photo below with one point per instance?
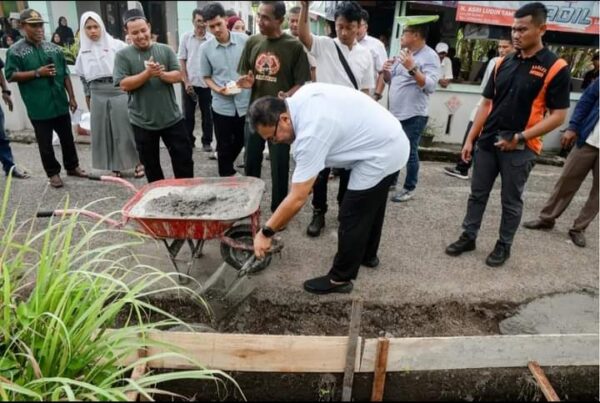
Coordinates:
(273, 139)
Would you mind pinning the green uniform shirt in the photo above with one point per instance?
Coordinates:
(44, 97)
(278, 64)
(152, 106)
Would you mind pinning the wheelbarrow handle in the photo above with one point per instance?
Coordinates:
(86, 213)
(114, 179)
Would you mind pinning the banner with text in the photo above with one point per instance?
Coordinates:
(567, 16)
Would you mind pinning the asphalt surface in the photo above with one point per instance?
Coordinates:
(414, 268)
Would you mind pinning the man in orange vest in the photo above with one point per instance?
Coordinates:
(512, 117)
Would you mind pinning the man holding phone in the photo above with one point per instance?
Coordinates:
(40, 69)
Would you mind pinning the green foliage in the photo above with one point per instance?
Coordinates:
(62, 290)
(71, 51)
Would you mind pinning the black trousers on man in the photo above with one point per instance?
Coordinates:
(204, 101)
(229, 131)
(464, 166)
(361, 220)
(43, 134)
(178, 144)
(514, 168)
(319, 200)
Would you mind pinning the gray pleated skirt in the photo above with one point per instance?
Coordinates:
(113, 144)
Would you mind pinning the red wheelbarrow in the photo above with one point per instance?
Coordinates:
(233, 225)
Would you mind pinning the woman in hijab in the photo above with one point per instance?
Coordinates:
(113, 144)
(66, 33)
(236, 24)
(56, 39)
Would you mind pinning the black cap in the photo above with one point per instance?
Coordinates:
(133, 14)
(30, 16)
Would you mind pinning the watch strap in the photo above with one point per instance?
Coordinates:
(267, 231)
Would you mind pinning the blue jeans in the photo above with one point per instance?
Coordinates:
(6, 157)
(413, 127)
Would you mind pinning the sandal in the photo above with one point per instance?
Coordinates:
(139, 171)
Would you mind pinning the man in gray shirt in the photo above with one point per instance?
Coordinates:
(412, 76)
(220, 57)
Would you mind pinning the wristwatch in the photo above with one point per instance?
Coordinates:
(7, 92)
(413, 70)
(37, 73)
(377, 96)
(267, 231)
(520, 138)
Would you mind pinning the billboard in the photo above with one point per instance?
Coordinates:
(566, 16)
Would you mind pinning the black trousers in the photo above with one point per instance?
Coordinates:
(229, 131)
(204, 101)
(43, 134)
(319, 200)
(361, 219)
(178, 144)
(514, 168)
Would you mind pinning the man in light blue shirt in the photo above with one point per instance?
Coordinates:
(218, 65)
(412, 76)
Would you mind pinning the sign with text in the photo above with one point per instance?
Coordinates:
(566, 16)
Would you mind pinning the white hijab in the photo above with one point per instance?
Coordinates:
(96, 59)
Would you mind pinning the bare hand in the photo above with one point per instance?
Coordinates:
(223, 91)
(406, 59)
(47, 71)
(305, 4)
(72, 105)
(262, 244)
(282, 95)
(505, 145)
(444, 82)
(246, 81)
(388, 64)
(568, 138)
(467, 151)
(189, 88)
(8, 101)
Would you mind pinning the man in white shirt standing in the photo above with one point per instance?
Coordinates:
(377, 50)
(334, 126)
(293, 16)
(195, 89)
(446, 64)
(342, 61)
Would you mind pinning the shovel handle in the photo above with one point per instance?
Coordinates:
(44, 213)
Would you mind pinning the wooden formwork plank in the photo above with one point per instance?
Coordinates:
(441, 353)
(543, 382)
(352, 350)
(255, 353)
(383, 345)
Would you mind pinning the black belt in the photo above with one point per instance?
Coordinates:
(103, 80)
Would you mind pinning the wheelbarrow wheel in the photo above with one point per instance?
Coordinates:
(237, 257)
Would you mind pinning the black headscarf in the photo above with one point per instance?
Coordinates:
(66, 33)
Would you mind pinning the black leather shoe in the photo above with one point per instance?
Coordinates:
(578, 238)
(464, 244)
(538, 224)
(323, 285)
(372, 262)
(499, 255)
(317, 224)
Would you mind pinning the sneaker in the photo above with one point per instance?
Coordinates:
(499, 255)
(323, 285)
(55, 181)
(207, 148)
(452, 171)
(538, 224)
(464, 244)
(403, 195)
(18, 173)
(317, 224)
(577, 237)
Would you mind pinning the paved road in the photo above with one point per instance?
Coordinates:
(414, 268)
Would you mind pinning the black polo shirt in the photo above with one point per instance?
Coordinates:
(515, 87)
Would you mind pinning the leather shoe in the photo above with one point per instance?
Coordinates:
(317, 224)
(19, 173)
(80, 173)
(464, 244)
(499, 255)
(323, 285)
(577, 237)
(55, 181)
(538, 224)
(372, 262)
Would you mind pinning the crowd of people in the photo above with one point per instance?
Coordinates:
(315, 98)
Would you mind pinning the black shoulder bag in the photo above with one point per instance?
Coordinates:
(346, 66)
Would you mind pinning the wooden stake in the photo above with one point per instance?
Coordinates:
(380, 369)
(136, 374)
(543, 382)
(357, 305)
